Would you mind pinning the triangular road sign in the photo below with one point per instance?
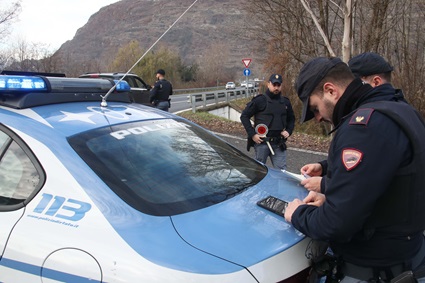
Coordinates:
(246, 62)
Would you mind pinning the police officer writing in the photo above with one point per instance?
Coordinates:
(373, 69)
(372, 211)
(161, 91)
(275, 112)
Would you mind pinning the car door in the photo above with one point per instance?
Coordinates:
(139, 89)
(20, 177)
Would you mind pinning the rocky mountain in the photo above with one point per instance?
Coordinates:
(208, 23)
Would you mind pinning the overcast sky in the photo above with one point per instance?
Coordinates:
(53, 22)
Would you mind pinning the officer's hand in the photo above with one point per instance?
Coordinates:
(312, 184)
(290, 209)
(257, 138)
(284, 134)
(312, 169)
(313, 198)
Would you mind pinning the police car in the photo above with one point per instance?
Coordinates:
(94, 188)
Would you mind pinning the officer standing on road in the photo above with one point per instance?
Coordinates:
(373, 69)
(161, 91)
(274, 111)
(372, 212)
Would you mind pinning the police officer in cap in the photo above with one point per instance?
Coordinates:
(274, 111)
(372, 211)
(161, 92)
(373, 69)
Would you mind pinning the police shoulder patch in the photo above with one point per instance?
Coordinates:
(361, 117)
(351, 157)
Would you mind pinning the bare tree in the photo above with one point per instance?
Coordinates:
(8, 15)
(212, 66)
(294, 31)
(319, 27)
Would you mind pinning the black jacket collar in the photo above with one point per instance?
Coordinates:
(359, 93)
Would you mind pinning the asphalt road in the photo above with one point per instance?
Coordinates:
(179, 102)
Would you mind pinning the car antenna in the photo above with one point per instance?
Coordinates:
(104, 103)
(5, 64)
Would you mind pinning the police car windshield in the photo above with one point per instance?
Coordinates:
(166, 167)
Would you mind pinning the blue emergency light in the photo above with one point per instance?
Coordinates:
(22, 83)
(20, 91)
(122, 86)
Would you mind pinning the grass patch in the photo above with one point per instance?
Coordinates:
(202, 116)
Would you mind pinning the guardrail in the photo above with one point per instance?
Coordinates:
(219, 96)
(197, 90)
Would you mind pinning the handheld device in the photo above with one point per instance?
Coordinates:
(274, 205)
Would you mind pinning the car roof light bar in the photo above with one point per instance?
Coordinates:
(28, 91)
(22, 83)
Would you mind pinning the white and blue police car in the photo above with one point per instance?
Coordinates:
(105, 190)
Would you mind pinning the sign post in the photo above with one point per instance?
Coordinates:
(247, 71)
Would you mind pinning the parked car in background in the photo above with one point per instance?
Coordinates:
(230, 85)
(96, 188)
(139, 89)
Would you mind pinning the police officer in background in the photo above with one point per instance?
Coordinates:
(372, 211)
(275, 111)
(161, 91)
(373, 69)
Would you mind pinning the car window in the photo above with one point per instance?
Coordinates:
(139, 83)
(167, 167)
(18, 175)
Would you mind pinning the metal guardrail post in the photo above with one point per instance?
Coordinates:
(193, 102)
(204, 98)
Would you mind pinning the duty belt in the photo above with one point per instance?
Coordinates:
(273, 139)
(387, 273)
(368, 273)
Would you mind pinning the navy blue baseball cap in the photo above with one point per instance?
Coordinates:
(369, 63)
(311, 74)
(161, 71)
(275, 78)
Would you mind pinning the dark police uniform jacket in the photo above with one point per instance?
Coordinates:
(275, 111)
(373, 215)
(161, 91)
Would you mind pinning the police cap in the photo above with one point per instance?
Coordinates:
(161, 72)
(275, 78)
(311, 74)
(369, 63)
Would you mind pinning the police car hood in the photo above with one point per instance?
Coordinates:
(238, 230)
